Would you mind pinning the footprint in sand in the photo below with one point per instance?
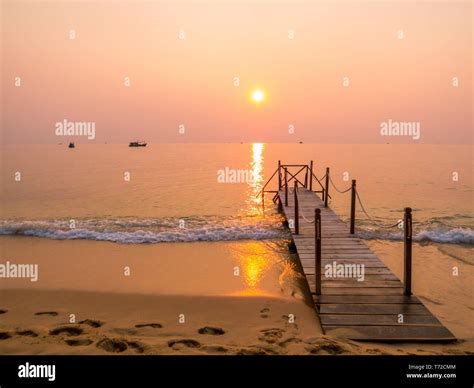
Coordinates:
(137, 346)
(211, 330)
(289, 341)
(68, 330)
(214, 349)
(264, 312)
(4, 335)
(79, 342)
(326, 347)
(2, 311)
(270, 336)
(50, 313)
(112, 345)
(152, 325)
(27, 333)
(92, 323)
(256, 351)
(376, 352)
(187, 343)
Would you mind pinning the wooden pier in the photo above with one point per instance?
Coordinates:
(374, 307)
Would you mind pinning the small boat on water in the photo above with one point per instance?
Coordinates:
(137, 144)
(72, 145)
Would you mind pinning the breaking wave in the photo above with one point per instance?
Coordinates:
(439, 235)
(137, 231)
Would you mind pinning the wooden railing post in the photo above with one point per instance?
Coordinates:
(279, 175)
(407, 224)
(317, 250)
(297, 216)
(286, 186)
(306, 177)
(353, 205)
(326, 194)
(311, 176)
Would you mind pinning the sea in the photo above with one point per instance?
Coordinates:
(205, 200)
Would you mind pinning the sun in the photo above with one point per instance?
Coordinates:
(258, 96)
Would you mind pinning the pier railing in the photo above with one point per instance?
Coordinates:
(303, 175)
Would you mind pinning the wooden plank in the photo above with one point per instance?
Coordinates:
(359, 290)
(331, 299)
(376, 284)
(368, 263)
(309, 270)
(374, 308)
(393, 333)
(354, 282)
(339, 256)
(376, 320)
(367, 277)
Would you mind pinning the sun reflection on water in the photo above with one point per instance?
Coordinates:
(254, 262)
(263, 269)
(255, 184)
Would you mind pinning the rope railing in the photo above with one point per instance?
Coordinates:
(355, 195)
(381, 225)
(362, 206)
(307, 220)
(339, 191)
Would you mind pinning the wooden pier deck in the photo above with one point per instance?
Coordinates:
(375, 309)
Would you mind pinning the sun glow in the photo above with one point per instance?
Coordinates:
(258, 96)
(254, 200)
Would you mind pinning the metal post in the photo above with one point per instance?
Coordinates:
(279, 175)
(286, 186)
(317, 248)
(311, 176)
(297, 216)
(407, 223)
(327, 188)
(353, 205)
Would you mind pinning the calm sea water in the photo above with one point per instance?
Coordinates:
(171, 192)
(174, 198)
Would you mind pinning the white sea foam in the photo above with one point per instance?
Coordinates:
(212, 228)
(439, 235)
(136, 231)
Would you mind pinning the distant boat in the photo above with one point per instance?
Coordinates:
(137, 144)
(72, 145)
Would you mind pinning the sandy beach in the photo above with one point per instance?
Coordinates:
(90, 308)
(37, 322)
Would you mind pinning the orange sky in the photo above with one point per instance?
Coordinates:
(190, 81)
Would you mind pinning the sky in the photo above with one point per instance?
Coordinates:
(399, 60)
